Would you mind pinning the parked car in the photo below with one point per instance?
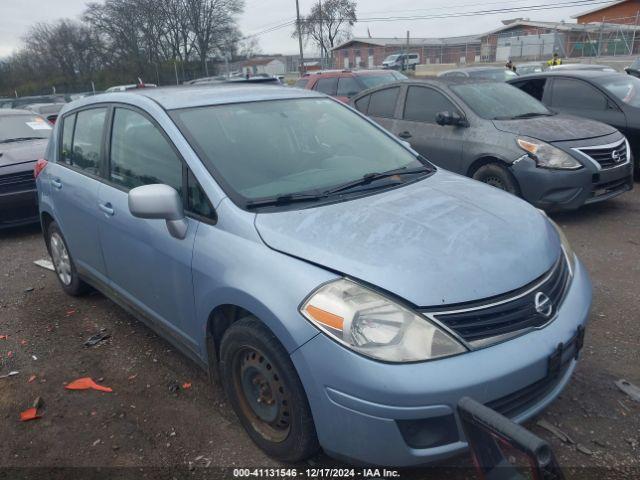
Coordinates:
(344, 84)
(267, 80)
(401, 61)
(495, 133)
(47, 110)
(132, 86)
(634, 68)
(500, 74)
(612, 98)
(23, 139)
(190, 220)
(582, 66)
(21, 102)
(530, 67)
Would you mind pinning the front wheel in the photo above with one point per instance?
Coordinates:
(497, 176)
(265, 392)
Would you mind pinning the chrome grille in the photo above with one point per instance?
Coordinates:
(607, 156)
(491, 320)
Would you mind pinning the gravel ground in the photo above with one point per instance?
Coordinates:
(144, 424)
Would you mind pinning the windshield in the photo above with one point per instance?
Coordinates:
(500, 74)
(270, 149)
(392, 58)
(499, 101)
(624, 87)
(23, 127)
(380, 79)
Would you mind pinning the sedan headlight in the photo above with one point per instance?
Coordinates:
(548, 156)
(376, 326)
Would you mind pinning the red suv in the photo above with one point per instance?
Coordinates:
(344, 84)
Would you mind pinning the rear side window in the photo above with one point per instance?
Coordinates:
(140, 154)
(423, 104)
(383, 102)
(328, 86)
(67, 138)
(348, 87)
(362, 104)
(302, 83)
(86, 143)
(575, 94)
(535, 87)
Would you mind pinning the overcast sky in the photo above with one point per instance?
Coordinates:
(17, 15)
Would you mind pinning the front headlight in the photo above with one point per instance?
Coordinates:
(373, 325)
(548, 156)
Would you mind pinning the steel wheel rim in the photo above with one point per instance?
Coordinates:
(495, 182)
(61, 260)
(263, 396)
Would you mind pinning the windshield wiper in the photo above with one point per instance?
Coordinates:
(372, 177)
(310, 197)
(526, 115)
(21, 139)
(284, 200)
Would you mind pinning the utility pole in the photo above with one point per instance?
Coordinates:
(322, 49)
(300, 38)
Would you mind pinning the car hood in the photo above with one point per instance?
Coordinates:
(443, 240)
(558, 128)
(20, 152)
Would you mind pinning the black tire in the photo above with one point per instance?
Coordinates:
(498, 176)
(253, 360)
(66, 272)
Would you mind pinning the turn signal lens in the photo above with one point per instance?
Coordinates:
(40, 164)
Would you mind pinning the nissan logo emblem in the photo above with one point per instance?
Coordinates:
(543, 304)
(615, 156)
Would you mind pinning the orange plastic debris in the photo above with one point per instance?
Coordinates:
(23, 342)
(3, 337)
(29, 414)
(186, 385)
(31, 378)
(87, 383)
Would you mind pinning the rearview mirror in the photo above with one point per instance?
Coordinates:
(162, 202)
(448, 118)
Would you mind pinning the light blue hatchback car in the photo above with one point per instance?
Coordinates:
(345, 291)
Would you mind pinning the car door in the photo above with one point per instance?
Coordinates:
(577, 97)
(380, 106)
(146, 266)
(74, 182)
(441, 145)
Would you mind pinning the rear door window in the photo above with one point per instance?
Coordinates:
(328, 86)
(423, 104)
(348, 87)
(140, 154)
(577, 95)
(86, 144)
(383, 102)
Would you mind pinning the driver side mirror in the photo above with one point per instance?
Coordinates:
(162, 202)
(448, 118)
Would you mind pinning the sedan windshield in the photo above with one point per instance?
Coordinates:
(284, 148)
(371, 81)
(499, 101)
(624, 87)
(16, 128)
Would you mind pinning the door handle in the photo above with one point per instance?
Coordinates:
(56, 183)
(404, 135)
(107, 209)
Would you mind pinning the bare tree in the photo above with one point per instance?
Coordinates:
(249, 47)
(328, 23)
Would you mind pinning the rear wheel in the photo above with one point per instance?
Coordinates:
(63, 263)
(265, 392)
(497, 176)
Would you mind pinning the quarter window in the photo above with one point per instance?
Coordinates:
(423, 104)
(197, 200)
(362, 104)
(83, 136)
(140, 154)
(575, 94)
(383, 102)
(328, 86)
